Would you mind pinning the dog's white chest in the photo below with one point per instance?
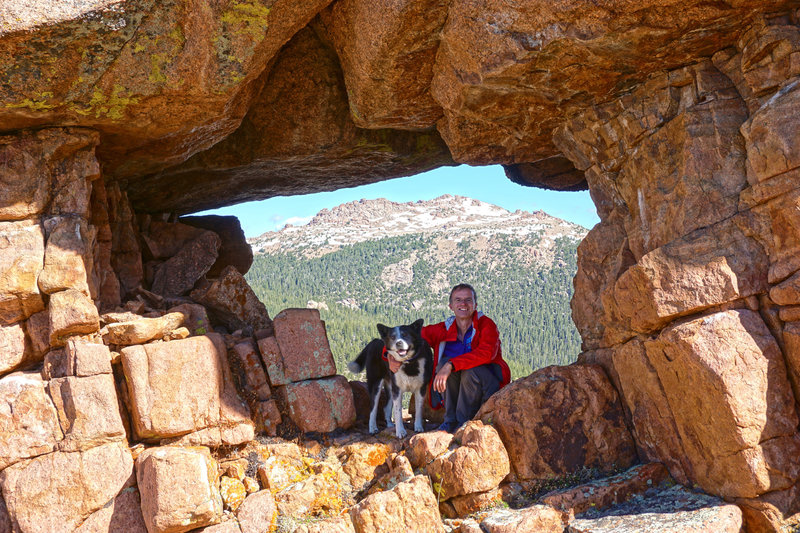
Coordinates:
(408, 383)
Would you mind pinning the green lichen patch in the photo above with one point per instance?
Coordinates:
(37, 103)
(247, 18)
(111, 106)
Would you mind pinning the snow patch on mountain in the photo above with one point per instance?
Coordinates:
(452, 217)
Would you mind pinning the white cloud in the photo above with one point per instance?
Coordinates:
(298, 221)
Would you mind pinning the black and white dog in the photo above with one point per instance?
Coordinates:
(406, 345)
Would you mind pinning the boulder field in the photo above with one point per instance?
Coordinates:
(144, 387)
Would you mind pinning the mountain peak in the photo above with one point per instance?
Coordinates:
(371, 219)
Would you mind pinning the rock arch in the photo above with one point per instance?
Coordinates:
(681, 118)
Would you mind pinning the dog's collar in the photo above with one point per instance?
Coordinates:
(386, 357)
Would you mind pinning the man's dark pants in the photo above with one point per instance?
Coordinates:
(468, 389)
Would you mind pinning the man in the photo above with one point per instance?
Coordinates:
(467, 357)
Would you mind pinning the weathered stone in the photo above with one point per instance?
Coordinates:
(773, 511)
(771, 136)
(302, 350)
(267, 417)
(174, 387)
(179, 488)
(299, 124)
(14, 347)
(142, 330)
(5, 520)
(556, 173)
(38, 329)
(423, 448)
(123, 513)
(671, 510)
(77, 358)
(231, 526)
(653, 425)
(87, 410)
(479, 464)
(21, 261)
(410, 506)
(472, 503)
(258, 512)
(126, 254)
(233, 301)
(177, 334)
(603, 255)
(53, 162)
(319, 404)
(278, 472)
(236, 425)
(772, 223)
(232, 492)
(67, 255)
(364, 462)
(166, 239)
(791, 350)
(787, 292)
(729, 360)
(28, 420)
(157, 111)
(178, 274)
(400, 470)
(71, 313)
(709, 267)
(339, 524)
(658, 184)
(38, 500)
(387, 53)
(535, 518)
(102, 274)
(250, 369)
(234, 249)
(496, 59)
(195, 318)
(559, 420)
(236, 468)
(251, 485)
(469, 525)
(597, 495)
(314, 495)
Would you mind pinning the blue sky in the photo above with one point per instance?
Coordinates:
(488, 184)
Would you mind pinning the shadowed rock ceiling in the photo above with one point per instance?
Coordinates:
(201, 104)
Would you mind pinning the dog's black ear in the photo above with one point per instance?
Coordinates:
(383, 330)
(417, 324)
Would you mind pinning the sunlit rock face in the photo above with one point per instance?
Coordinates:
(687, 288)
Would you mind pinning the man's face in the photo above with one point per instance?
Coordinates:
(462, 303)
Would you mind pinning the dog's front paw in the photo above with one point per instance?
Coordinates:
(373, 430)
(401, 432)
(418, 428)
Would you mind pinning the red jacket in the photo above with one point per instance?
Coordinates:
(485, 344)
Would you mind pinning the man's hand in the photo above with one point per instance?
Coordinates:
(394, 364)
(440, 380)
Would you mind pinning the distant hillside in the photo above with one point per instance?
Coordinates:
(376, 261)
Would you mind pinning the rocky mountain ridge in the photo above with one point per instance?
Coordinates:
(448, 217)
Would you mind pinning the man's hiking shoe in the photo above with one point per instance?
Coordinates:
(449, 427)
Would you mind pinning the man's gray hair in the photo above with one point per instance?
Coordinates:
(463, 286)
